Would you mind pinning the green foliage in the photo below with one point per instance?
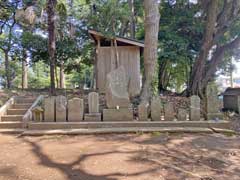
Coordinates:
(109, 17)
(179, 40)
(83, 76)
(39, 76)
(15, 72)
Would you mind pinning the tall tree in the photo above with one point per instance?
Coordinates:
(24, 70)
(220, 37)
(51, 6)
(132, 18)
(151, 25)
(8, 12)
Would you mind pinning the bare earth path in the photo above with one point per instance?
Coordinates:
(115, 157)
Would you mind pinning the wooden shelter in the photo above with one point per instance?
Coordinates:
(114, 52)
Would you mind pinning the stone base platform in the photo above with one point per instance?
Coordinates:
(128, 124)
(124, 130)
(214, 116)
(92, 117)
(122, 114)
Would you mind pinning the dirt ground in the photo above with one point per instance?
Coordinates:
(115, 157)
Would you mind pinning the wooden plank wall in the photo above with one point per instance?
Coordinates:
(129, 57)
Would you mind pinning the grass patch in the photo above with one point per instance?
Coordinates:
(156, 133)
(229, 134)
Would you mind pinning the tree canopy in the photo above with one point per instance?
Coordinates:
(196, 40)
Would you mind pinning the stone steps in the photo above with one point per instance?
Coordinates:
(8, 118)
(22, 106)
(123, 130)
(24, 100)
(132, 124)
(11, 131)
(10, 125)
(12, 121)
(16, 111)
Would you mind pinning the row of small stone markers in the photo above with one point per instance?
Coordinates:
(60, 110)
(166, 112)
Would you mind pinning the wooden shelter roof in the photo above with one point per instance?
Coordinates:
(97, 35)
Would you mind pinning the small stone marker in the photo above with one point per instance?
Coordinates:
(195, 108)
(37, 113)
(93, 102)
(93, 108)
(117, 89)
(213, 104)
(156, 109)
(49, 109)
(75, 110)
(143, 111)
(123, 114)
(169, 113)
(61, 109)
(182, 114)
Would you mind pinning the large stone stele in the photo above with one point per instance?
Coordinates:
(61, 108)
(117, 89)
(49, 109)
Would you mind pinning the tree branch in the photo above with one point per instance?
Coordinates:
(218, 57)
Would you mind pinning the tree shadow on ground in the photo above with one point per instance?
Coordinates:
(209, 153)
(186, 154)
(79, 174)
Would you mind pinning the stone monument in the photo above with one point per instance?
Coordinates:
(182, 114)
(156, 108)
(61, 109)
(213, 104)
(195, 105)
(75, 110)
(49, 109)
(93, 108)
(169, 113)
(143, 111)
(117, 97)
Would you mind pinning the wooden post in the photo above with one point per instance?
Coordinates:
(116, 53)
(95, 76)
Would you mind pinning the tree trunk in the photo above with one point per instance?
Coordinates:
(62, 76)
(198, 67)
(151, 25)
(132, 18)
(56, 76)
(7, 70)
(51, 4)
(116, 53)
(162, 76)
(24, 74)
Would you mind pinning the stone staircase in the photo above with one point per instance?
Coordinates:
(12, 120)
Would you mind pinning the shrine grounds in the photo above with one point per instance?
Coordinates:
(155, 156)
